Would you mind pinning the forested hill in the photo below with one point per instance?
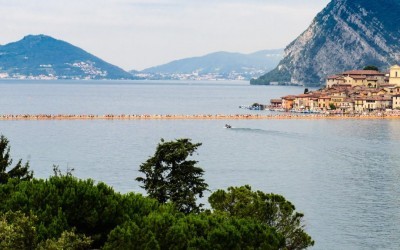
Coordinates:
(347, 34)
(40, 56)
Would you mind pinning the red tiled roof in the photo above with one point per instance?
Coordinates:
(303, 95)
(358, 77)
(289, 97)
(378, 98)
(360, 98)
(316, 95)
(363, 72)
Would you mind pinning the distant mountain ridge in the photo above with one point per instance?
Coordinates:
(41, 57)
(347, 34)
(220, 64)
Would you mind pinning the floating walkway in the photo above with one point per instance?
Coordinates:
(198, 117)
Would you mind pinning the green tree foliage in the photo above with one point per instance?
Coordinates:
(280, 75)
(371, 67)
(332, 106)
(19, 171)
(64, 212)
(169, 176)
(270, 209)
(69, 240)
(169, 229)
(64, 202)
(17, 231)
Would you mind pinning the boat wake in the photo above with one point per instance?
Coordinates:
(266, 132)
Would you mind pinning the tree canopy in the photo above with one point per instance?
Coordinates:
(170, 229)
(17, 231)
(19, 171)
(64, 202)
(64, 212)
(271, 209)
(170, 176)
(371, 67)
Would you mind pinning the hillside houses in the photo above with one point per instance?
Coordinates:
(353, 91)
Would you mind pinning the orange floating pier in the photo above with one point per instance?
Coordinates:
(285, 116)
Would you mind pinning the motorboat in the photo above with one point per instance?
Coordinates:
(228, 126)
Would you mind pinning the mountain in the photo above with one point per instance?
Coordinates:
(347, 34)
(220, 64)
(40, 56)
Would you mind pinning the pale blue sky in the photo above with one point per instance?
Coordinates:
(135, 34)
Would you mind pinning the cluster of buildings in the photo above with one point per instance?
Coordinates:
(198, 76)
(353, 91)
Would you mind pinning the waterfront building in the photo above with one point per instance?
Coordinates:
(396, 101)
(337, 100)
(288, 102)
(377, 103)
(347, 105)
(351, 91)
(323, 102)
(359, 104)
(314, 103)
(302, 101)
(276, 103)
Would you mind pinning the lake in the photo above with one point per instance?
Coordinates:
(342, 174)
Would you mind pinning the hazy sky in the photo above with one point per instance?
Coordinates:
(135, 34)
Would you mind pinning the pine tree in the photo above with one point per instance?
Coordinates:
(19, 171)
(169, 176)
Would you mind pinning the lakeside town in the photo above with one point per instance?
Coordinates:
(350, 92)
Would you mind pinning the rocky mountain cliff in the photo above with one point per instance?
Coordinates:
(347, 34)
(43, 57)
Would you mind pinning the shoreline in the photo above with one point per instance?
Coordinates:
(33, 117)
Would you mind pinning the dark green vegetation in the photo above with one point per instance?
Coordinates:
(64, 212)
(346, 35)
(169, 176)
(222, 63)
(44, 55)
(271, 209)
(19, 171)
(281, 76)
(371, 67)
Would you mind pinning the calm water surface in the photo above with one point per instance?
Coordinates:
(344, 175)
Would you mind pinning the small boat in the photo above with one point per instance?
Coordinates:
(228, 126)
